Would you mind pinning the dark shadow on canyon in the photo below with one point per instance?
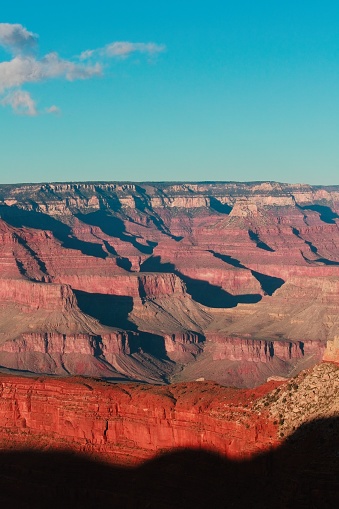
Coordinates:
(143, 204)
(152, 344)
(107, 199)
(314, 250)
(201, 291)
(228, 259)
(326, 214)
(326, 261)
(33, 254)
(114, 227)
(259, 243)
(214, 296)
(113, 311)
(222, 208)
(20, 218)
(269, 284)
(301, 474)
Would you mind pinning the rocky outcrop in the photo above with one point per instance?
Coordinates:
(309, 396)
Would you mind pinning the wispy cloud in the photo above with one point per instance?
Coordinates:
(53, 109)
(21, 102)
(26, 67)
(123, 49)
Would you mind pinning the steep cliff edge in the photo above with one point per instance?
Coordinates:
(131, 422)
(127, 423)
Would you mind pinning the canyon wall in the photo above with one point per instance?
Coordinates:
(128, 423)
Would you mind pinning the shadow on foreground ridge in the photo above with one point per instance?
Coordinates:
(302, 473)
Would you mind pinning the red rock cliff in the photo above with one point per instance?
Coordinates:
(131, 422)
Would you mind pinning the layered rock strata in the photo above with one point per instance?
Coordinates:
(127, 423)
(131, 422)
(196, 277)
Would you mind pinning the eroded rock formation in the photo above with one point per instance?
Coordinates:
(167, 282)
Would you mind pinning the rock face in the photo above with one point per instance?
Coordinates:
(132, 422)
(169, 281)
(127, 423)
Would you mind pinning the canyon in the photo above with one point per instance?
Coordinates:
(168, 282)
(169, 344)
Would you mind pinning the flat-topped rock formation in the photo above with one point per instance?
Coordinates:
(161, 282)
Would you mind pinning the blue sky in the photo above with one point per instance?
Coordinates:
(217, 90)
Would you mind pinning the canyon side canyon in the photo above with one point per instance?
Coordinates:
(138, 318)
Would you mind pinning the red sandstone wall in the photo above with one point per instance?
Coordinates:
(131, 422)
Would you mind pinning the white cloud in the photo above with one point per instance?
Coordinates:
(87, 54)
(26, 67)
(21, 102)
(53, 110)
(126, 48)
(123, 49)
(17, 38)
